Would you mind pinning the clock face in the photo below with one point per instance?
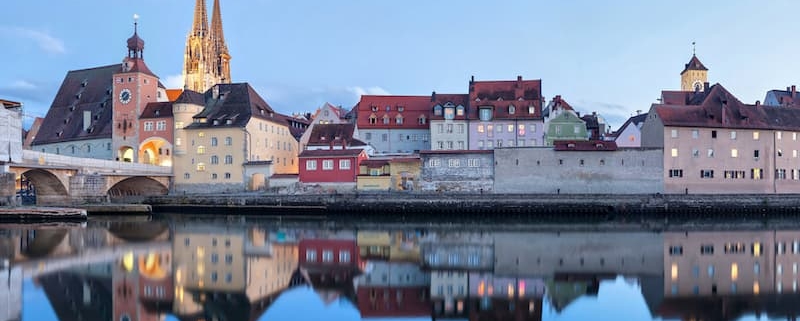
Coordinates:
(698, 86)
(125, 96)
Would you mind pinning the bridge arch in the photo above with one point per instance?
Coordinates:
(139, 231)
(40, 243)
(49, 187)
(137, 186)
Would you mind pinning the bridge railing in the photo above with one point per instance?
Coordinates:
(92, 165)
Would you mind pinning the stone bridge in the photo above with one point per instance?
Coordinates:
(63, 180)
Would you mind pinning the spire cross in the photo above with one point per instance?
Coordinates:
(693, 48)
(135, 22)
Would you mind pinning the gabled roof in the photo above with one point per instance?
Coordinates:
(786, 97)
(693, 64)
(678, 97)
(410, 108)
(632, 121)
(444, 99)
(232, 105)
(720, 109)
(326, 134)
(499, 95)
(331, 153)
(9, 104)
(137, 65)
(82, 90)
(157, 110)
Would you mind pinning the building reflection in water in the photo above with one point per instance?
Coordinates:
(196, 271)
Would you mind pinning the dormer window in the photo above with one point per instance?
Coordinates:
(400, 108)
(386, 119)
(449, 112)
(398, 120)
(437, 110)
(531, 109)
(499, 98)
(229, 122)
(388, 108)
(422, 120)
(485, 113)
(157, 113)
(511, 109)
(84, 83)
(460, 110)
(262, 111)
(374, 108)
(216, 122)
(373, 119)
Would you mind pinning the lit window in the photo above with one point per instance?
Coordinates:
(674, 271)
(734, 271)
(674, 152)
(734, 153)
(779, 135)
(755, 135)
(148, 126)
(201, 150)
(201, 167)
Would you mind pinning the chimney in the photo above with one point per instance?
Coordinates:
(758, 103)
(519, 78)
(794, 91)
(433, 96)
(638, 112)
(472, 79)
(706, 85)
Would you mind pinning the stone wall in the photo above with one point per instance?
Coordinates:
(8, 191)
(459, 171)
(547, 171)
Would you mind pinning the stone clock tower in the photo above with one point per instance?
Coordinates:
(134, 86)
(694, 75)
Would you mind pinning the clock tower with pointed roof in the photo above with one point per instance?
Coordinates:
(694, 75)
(134, 87)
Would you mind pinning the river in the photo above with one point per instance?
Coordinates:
(180, 267)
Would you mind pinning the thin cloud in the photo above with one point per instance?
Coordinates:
(360, 91)
(44, 40)
(28, 91)
(173, 81)
(23, 85)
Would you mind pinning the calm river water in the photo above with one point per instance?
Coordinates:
(226, 268)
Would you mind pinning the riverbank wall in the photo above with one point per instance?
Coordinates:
(470, 203)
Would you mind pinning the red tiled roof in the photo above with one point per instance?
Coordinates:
(443, 99)
(559, 102)
(173, 94)
(157, 110)
(693, 64)
(331, 153)
(678, 97)
(324, 134)
(412, 108)
(720, 109)
(499, 95)
(138, 65)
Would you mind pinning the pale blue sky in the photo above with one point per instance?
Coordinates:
(613, 57)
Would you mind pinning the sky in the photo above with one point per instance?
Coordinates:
(613, 57)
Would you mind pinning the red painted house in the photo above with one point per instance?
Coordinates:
(330, 165)
(331, 263)
(390, 301)
(156, 134)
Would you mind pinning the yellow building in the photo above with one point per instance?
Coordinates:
(382, 174)
(694, 75)
(208, 261)
(235, 143)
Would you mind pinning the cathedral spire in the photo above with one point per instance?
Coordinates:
(219, 47)
(200, 24)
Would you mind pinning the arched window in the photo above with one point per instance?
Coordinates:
(228, 159)
(214, 160)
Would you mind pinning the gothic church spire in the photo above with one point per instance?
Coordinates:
(200, 24)
(219, 47)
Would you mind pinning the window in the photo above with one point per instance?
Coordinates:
(674, 133)
(577, 129)
(311, 165)
(161, 125)
(228, 141)
(201, 167)
(676, 250)
(384, 137)
(327, 164)
(386, 119)
(780, 173)
(734, 271)
(734, 152)
(311, 255)
(710, 152)
(421, 120)
(511, 109)
(178, 141)
(228, 259)
(695, 153)
(344, 257)
(695, 133)
(454, 162)
(460, 110)
(186, 176)
(674, 274)
(521, 130)
(480, 129)
(675, 173)
(437, 110)
(755, 135)
(485, 114)
(756, 154)
(674, 152)
(511, 128)
(368, 136)
(327, 256)
(449, 113)
(148, 126)
(779, 135)
(227, 175)
(214, 258)
(733, 134)
(214, 160)
(706, 173)
(228, 159)
(214, 141)
(373, 119)
(713, 134)
(434, 162)
(344, 164)
(707, 249)
(531, 110)
(201, 150)
(398, 120)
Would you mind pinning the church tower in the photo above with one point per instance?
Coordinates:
(206, 58)
(694, 75)
(134, 87)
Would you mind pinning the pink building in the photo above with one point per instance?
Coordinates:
(714, 144)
